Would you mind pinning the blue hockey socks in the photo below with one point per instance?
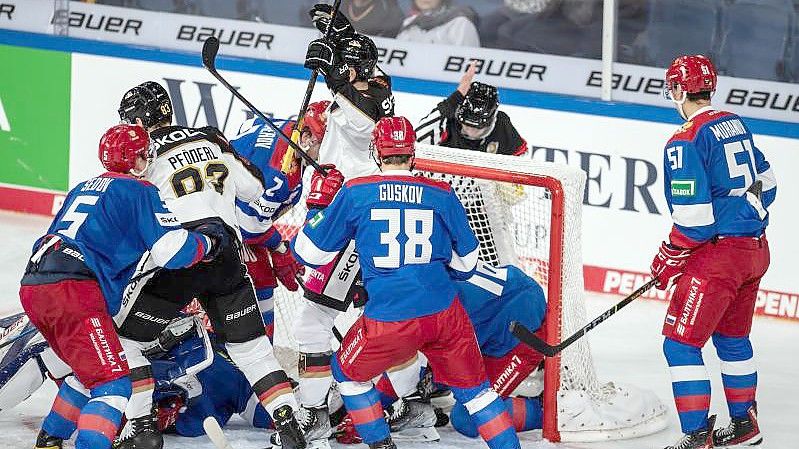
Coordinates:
(690, 384)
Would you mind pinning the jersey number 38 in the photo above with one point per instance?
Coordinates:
(416, 225)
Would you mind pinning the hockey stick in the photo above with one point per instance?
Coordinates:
(298, 125)
(22, 335)
(210, 50)
(527, 337)
(215, 434)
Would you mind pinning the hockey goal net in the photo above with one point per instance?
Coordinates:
(528, 214)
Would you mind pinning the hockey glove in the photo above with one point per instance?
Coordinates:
(324, 188)
(286, 266)
(218, 235)
(342, 28)
(321, 55)
(668, 264)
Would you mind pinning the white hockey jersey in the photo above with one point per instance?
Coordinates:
(351, 119)
(200, 176)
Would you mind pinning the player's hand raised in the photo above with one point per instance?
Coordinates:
(324, 188)
(321, 56)
(668, 265)
(321, 15)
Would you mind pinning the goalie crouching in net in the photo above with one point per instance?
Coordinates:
(413, 304)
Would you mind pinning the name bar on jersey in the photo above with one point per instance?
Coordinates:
(510, 69)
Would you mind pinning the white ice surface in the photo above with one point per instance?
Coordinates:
(627, 349)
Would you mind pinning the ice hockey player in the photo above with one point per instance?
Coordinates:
(266, 251)
(493, 297)
(718, 187)
(200, 176)
(469, 119)
(74, 280)
(413, 238)
(362, 95)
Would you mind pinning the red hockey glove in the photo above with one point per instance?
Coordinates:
(324, 188)
(286, 266)
(668, 264)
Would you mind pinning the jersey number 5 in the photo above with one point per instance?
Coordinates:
(416, 225)
(77, 218)
(189, 180)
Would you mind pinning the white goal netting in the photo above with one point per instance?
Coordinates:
(528, 214)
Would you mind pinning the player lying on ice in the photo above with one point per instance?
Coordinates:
(413, 238)
(74, 283)
(718, 187)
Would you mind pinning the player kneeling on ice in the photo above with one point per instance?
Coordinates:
(718, 186)
(74, 281)
(413, 238)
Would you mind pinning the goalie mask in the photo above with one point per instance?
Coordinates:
(148, 102)
(360, 53)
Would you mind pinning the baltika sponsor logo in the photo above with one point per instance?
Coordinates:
(355, 343)
(508, 375)
(231, 37)
(6, 11)
(692, 305)
(102, 347)
(98, 22)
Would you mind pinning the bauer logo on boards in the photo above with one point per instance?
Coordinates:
(6, 10)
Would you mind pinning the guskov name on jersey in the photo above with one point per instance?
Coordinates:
(401, 192)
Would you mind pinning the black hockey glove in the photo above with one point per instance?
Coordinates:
(321, 55)
(342, 28)
(219, 238)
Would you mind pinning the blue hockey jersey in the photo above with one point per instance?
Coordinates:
(412, 236)
(495, 296)
(713, 178)
(264, 148)
(113, 220)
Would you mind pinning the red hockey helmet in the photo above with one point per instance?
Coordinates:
(394, 136)
(121, 145)
(693, 73)
(316, 118)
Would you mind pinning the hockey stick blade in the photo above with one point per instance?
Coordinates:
(527, 337)
(215, 434)
(209, 53)
(210, 49)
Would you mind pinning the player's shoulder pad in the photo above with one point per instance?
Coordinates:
(214, 135)
(691, 129)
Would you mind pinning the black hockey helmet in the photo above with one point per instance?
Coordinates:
(360, 53)
(479, 107)
(149, 102)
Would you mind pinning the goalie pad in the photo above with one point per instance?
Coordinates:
(21, 370)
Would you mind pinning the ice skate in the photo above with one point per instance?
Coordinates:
(413, 420)
(699, 439)
(740, 431)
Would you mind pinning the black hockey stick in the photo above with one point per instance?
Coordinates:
(298, 125)
(527, 337)
(210, 49)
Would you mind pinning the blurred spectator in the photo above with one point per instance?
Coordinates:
(373, 17)
(469, 119)
(440, 22)
(559, 27)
